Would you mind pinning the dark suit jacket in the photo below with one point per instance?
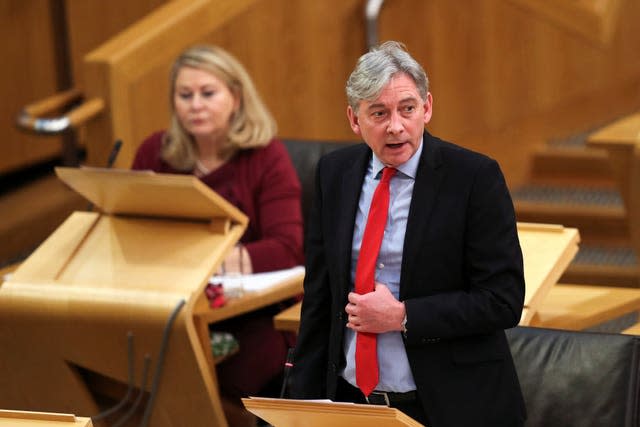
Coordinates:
(462, 283)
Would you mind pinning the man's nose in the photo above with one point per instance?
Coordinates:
(395, 124)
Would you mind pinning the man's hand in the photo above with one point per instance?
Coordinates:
(375, 312)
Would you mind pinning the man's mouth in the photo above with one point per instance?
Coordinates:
(395, 145)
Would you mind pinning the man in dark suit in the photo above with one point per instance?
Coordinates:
(448, 274)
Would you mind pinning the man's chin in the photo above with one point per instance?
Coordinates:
(396, 156)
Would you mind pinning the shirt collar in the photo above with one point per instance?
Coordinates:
(408, 168)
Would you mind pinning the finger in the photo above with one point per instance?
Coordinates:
(350, 308)
(353, 297)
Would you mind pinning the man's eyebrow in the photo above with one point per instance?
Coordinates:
(402, 101)
(376, 106)
(408, 99)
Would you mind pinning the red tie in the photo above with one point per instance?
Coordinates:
(366, 354)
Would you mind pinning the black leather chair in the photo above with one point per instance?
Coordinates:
(305, 155)
(578, 379)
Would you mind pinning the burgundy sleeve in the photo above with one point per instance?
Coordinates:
(148, 153)
(279, 219)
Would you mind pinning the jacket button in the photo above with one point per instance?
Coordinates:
(339, 315)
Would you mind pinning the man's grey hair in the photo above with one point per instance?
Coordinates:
(376, 67)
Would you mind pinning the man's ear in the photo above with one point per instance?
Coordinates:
(353, 120)
(428, 108)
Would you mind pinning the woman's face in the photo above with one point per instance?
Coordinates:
(203, 103)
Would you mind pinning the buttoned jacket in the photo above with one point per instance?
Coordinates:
(462, 283)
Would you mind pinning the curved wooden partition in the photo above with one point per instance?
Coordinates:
(506, 75)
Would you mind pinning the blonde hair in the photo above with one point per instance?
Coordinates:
(252, 125)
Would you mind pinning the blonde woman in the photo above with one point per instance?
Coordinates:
(221, 132)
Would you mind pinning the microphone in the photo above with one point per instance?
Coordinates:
(110, 161)
(287, 368)
(114, 153)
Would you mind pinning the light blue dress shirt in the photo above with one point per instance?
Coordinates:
(394, 372)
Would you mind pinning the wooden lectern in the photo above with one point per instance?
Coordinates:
(109, 287)
(309, 413)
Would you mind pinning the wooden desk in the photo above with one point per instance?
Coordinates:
(633, 330)
(288, 319)
(250, 301)
(41, 419)
(547, 250)
(572, 307)
(577, 307)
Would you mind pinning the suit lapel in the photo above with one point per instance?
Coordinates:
(347, 205)
(428, 181)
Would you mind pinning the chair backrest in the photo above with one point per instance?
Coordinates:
(577, 379)
(304, 156)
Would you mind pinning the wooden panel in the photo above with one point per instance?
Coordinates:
(504, 79)
(92, 22)
(300, 54)
(29, 72)
(593, 19)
